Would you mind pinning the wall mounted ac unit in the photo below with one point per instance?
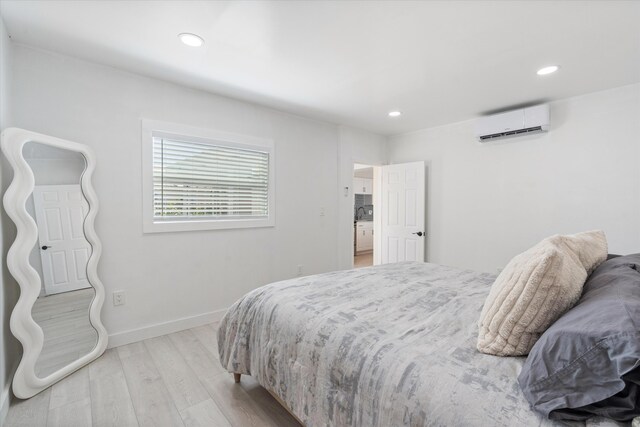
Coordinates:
(512, 123)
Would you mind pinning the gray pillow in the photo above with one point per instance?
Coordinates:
(588, 362)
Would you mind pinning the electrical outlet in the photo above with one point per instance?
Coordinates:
(321, 211)
(118, 298)
(300, 270)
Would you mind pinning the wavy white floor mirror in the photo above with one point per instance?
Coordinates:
(54, 258)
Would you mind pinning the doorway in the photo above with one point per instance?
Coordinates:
(389, 213)
(363, 215)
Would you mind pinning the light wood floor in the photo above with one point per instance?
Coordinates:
(172, 380)
(363, 260)
(68, 333)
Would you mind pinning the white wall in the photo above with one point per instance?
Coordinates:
(488, 202)
(356, 146)
(9, 346)
(5, 74)
(168, 276)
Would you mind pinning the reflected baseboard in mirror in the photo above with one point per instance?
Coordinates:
(54, 258)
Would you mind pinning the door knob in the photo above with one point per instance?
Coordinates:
(419, 233)
(45, 247)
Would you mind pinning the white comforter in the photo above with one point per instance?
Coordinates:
(385, 346)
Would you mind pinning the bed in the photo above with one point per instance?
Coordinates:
(389, 345)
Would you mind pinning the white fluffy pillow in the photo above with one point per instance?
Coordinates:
(535, 289)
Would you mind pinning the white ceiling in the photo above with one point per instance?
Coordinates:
(351, 62)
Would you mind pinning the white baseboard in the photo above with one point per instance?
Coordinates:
(152, 331)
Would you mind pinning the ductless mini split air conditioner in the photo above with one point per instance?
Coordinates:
(513, 123)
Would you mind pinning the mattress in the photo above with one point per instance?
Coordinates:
(390, 345)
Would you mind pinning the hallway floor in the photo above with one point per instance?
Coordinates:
(363, 260)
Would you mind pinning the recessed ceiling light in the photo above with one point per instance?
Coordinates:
(547, 70)
(191, 39)
(395, 113)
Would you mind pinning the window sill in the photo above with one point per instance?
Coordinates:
(196, 225)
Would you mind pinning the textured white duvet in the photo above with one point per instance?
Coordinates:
(385, 346)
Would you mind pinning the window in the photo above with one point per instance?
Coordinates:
(198, 180)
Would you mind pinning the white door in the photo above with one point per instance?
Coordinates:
(60, 212)
(402, 211)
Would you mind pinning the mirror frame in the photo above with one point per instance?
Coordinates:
(25, 381)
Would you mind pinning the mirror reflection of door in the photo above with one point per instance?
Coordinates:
(60, 256)
(64, 251)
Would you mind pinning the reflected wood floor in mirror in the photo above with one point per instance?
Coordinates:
(172, 380)
(68, 334)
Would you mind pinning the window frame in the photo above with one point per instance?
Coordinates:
(153, 129)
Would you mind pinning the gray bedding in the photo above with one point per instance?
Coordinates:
(588, 362)
(385, 346)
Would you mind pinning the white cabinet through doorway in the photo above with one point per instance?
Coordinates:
(364, 236)
(362, 185)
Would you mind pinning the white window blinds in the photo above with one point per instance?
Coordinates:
(195, 180)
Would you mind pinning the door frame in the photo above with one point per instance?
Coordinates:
(377, 223)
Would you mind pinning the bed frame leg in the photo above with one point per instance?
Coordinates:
(236, 378)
